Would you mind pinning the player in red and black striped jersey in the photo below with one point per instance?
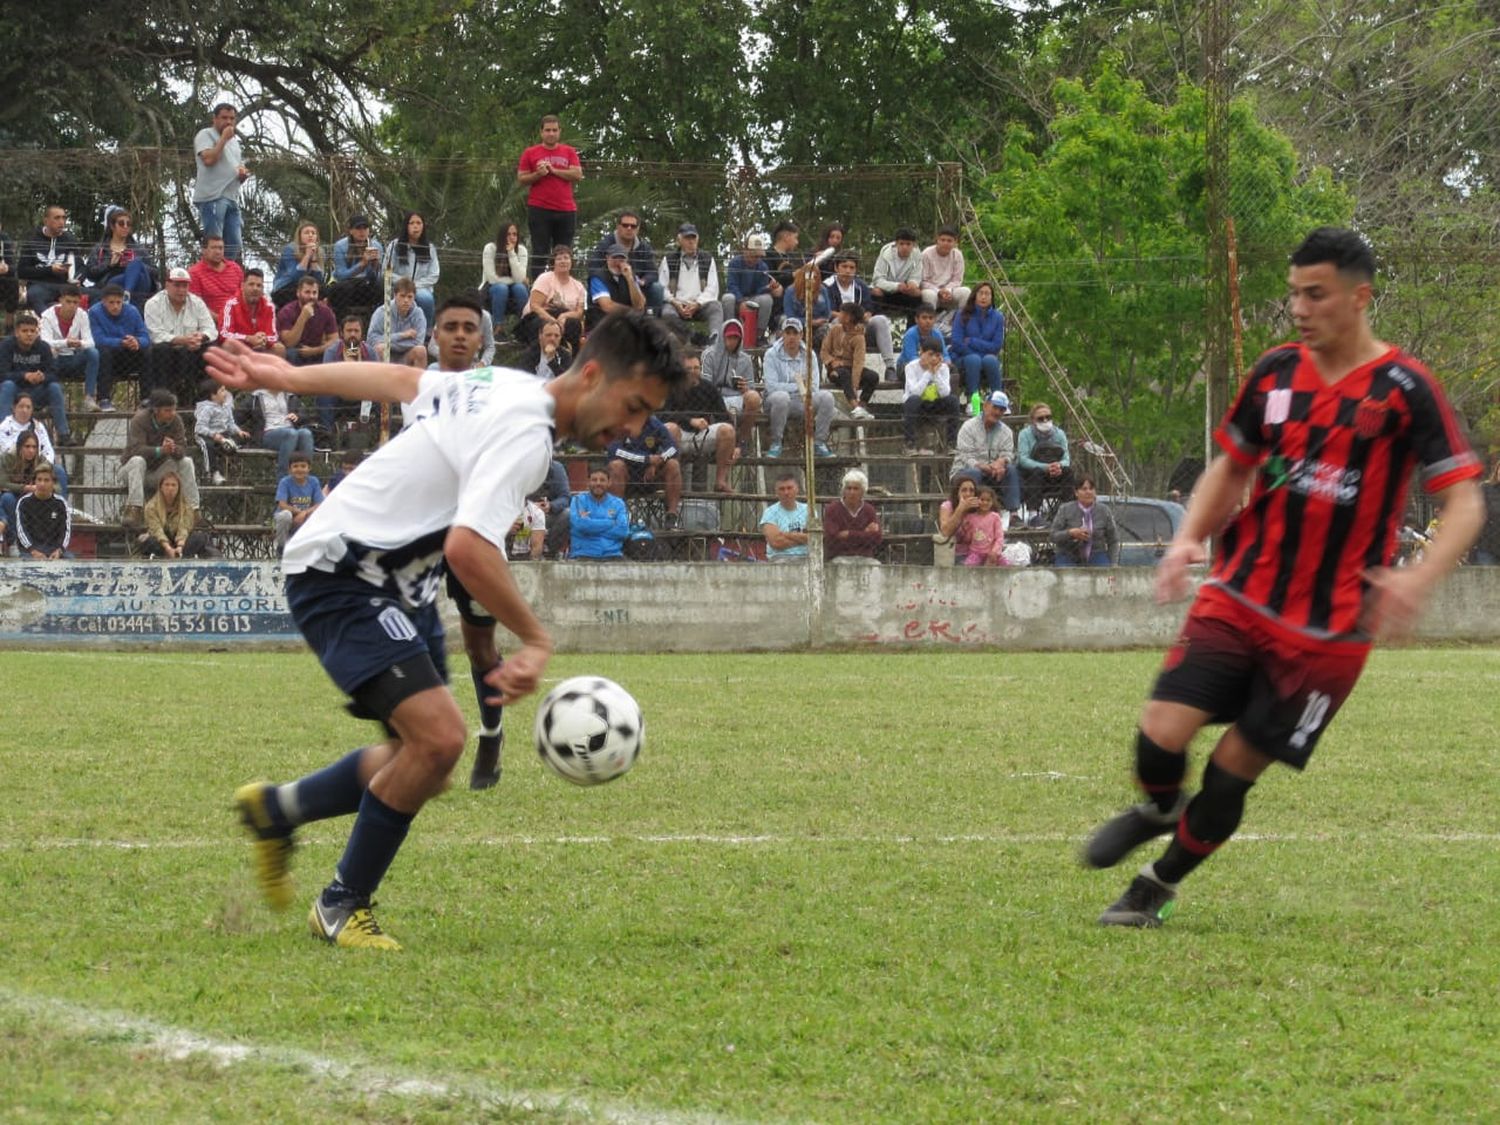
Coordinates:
(1329, 430)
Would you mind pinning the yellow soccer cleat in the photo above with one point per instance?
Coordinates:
(273, 846)
(352, 926)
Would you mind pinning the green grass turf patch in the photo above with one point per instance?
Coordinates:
(838, 888)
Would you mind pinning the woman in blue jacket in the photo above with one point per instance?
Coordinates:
(978, 337)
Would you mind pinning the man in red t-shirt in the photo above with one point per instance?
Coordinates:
(214, 277)
(550, 170)
(1328, 430)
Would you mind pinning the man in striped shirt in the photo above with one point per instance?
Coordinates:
(1329, 430)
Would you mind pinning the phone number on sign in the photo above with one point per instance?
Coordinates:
(151, 623)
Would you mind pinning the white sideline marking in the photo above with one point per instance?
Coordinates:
(766, 840)
(176, 1044)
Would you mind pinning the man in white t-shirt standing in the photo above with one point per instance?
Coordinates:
(221, 171)
(363, 576)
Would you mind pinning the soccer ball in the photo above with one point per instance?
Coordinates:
(589, 730)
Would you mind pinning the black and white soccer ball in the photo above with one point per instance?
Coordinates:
(589, 730)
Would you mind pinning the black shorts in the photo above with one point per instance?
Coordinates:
(469, 610)
(360, 634)
(1234, 664)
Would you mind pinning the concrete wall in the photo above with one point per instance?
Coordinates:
(671, 607)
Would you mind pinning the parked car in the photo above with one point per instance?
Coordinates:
(1146, 527)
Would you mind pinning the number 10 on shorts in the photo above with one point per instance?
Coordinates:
(1314, 712)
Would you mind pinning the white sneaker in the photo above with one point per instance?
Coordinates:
(90, 404)
(861, 413)
(218, 477)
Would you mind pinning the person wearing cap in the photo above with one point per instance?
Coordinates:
(549, 170)
(615, 288)
(356, 269)
(784, 368)
(978, 337)
(985, 451)
(639, 250)
(181, 327)
(689, 278)
(748, 283)
(728, 367)
(221, 170)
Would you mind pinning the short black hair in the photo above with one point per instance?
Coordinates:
(948, 229)
(632, 342)
(28, 318)
(299, 458)
(70, 290)
(1350, 254)
(905, 234)
(846, 256)
(208, 388)
(931, 345)
(460, 301)
(854, 309)
(207, 238)
(355, 317)
(113, 290)
(785, 225)
(256, 271)
(161, 397)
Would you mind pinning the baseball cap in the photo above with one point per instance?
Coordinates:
(1000, 399)
(687, 228)
(791, 322)
(179, 274)
(356, 221)
(616, 251)
(756, 242)
(734, 328)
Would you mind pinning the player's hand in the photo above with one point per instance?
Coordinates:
(241, 368)
(1394, 602)
(519, 674)
(1172, 582)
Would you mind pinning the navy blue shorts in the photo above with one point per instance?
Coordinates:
(359, 633)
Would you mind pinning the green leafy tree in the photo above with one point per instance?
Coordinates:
(1102, 224)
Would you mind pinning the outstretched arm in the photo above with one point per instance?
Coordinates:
(241, 369)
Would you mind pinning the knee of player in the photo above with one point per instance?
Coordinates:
(439, 747)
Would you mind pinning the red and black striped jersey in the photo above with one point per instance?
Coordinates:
(1334, 463)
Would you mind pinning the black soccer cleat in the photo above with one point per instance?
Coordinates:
(1116, 838)
(486, 771)
(1145, 905)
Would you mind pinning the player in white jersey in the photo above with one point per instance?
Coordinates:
(458, 332)
(362, 577)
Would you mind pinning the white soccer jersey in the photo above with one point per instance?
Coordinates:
(475, 444)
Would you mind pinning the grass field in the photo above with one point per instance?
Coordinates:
(837, 888)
